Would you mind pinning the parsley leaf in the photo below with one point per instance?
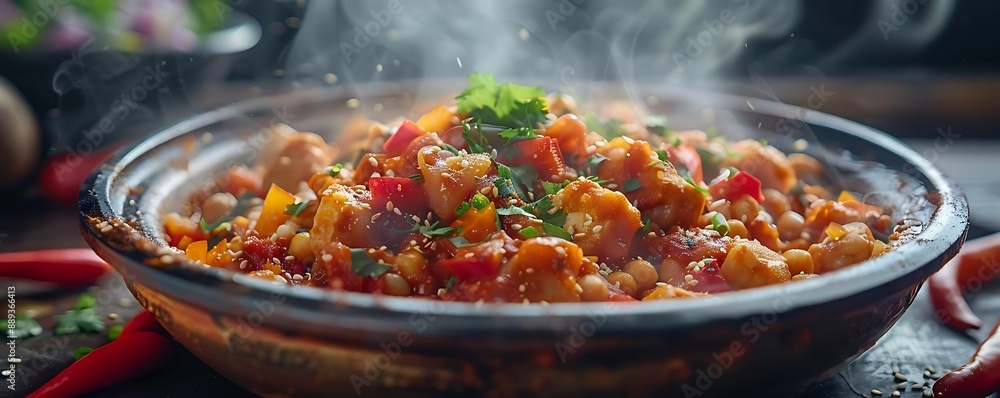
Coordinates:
(590, 166)
(514, 211)
(514, 177)
(556, 231)
(362, 264)
(296, 209)
(433, 230)
(542, 208)
(508, 105)
(720, 224)
(475, 145)
(24, 327)
(459, 241)
(79, 321)
(520, 133)
(530, 232)
(551, 188)
(632, 185)
(451, 282)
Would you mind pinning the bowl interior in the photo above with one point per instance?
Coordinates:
(158, 175)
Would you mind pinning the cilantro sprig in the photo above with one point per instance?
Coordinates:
(362, 264)
(508, 105)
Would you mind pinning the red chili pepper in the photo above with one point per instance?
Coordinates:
(975, 265)
(126, 358)
(142, 322)
(978, 378)
(471, 268)
(62, 266)
(398, 141)
(739, 184)
(403, 192)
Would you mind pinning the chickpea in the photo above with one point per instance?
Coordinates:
(643, 272)
(410, 264)
(218, 206)
(775, 202)
(790, 225)
(396, 285)
(738, 229)
(806, 167)
(854, 247)
(623, 281)
(745, 208)
(594, 288)
(799, 261)
(299, 246)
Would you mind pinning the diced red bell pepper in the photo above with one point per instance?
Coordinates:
(687, 157)
(404, 193)
(405, 134)
(709, 279)
(544, 155)
(472, 268)
(742, 183)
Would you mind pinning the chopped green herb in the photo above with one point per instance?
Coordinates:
(433, 229)
(296, 209)
(677, 142)
(114, 331)
(720, 224)
(590, 166)
(459, 241)
(697, 187)
(508, 105)
(480, 201)
(362, 264)
(657, 126)
(79, 321)
(732, 171)
(707, 260)
(543, 209)
(85, 301)
(450, 148)
(417, 177)
(632, 185)
(334, 170)
(556, 231)
(25, 327)
(504, 187)
(763, 142)
(514, 211)
(530, 232)
(512, 180)
(462, 209)
(450, 283)
(81, 352)
(520, 133)
(551, 188)
(475, 145)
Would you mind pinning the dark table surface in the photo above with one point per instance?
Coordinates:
(918, 342)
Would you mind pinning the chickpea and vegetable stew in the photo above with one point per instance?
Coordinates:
(510, 196)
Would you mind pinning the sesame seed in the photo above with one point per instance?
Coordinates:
(390, 173)
(688, 278)
(927, 393)
(289, 258)
(415, 218)
(113, 316)
(597, 229)
(896, 393)
(389, 206)
(930, 368)
(371, 251)
(469, 255)
(446, 175)
(529, 271)
(917, 386)
(876, 392)
(376, 216)
(521, 288)
(899, 377)
(531, 196)
(297, 277)
(516, 227)
(561, 251)
(579, 235)
(396, 210)
(243, 264)
(486, 190)
(927, 374)
(372, 161)
(327, 257)
(651, 234)
(693, 283)
(465, 163)
(570, 230)
(374, 175)
(612, 186)
(579, 289)
(166, 259)
(496, 192)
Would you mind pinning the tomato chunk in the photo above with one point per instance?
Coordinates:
(405, 134)
(544, 155)
(471, 268)
(404, 193)
(739, 184)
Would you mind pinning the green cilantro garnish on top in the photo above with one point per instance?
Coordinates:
(362, 264)
(296, 209)
(608, 129)
(508, 105)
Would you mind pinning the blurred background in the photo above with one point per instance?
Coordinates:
(79, 78)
